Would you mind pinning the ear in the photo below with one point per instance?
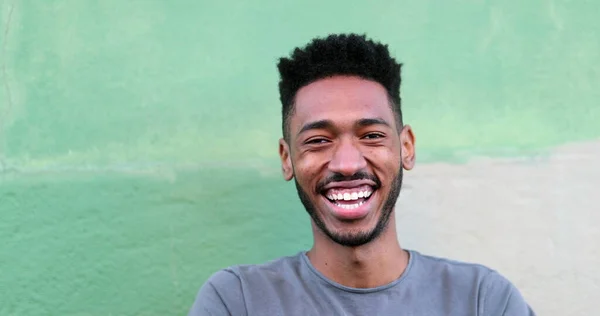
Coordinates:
(286, 160)
(407, 143)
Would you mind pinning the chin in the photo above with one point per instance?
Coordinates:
(347, 219)
(351, 237)
(353, 227)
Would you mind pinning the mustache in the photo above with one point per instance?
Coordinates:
(338, 177)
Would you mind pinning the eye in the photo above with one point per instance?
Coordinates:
(373, 136)
(316, 141)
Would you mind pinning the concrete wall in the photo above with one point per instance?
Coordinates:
(533, 219)
(138, 144)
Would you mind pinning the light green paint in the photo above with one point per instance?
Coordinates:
(138, 139)
(110, 82)
(97, 244)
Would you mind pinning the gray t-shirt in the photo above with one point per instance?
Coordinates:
(429, 286)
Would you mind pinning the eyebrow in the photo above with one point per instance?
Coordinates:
(322, 124)
(371, 121)
(328, 124)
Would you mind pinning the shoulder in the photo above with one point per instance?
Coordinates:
(437, 267)
(499, 296)
(223, 293)
(496, 295)
(279, 266)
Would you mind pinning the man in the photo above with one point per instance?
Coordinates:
(345, 145)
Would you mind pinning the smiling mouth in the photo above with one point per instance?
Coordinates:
(349, 198)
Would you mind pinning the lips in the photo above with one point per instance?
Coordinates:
(349, 201)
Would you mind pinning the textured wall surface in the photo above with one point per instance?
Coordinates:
(534, 219)
(138, 144)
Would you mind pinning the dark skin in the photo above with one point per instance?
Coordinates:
(344, 125)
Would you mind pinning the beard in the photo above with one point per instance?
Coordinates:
(355, 238)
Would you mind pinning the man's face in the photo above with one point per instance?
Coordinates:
(346, 156)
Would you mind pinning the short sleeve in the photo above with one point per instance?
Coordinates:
(499, 297)
(220, 295)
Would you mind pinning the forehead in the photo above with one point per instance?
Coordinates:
(341, 99)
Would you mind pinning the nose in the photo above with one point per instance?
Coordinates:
(347, 159)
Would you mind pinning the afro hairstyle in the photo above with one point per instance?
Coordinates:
(338, 54)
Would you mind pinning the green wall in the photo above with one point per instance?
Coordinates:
(138, 139)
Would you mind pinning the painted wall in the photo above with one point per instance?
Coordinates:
(138, 144)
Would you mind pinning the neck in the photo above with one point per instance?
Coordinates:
(374, 264)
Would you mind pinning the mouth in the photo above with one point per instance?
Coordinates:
(349, 203)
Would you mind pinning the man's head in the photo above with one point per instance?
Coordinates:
(344, 141)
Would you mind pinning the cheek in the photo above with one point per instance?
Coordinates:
(386, 161)
(307, 170)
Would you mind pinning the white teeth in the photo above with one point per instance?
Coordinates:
(350, 196)
(351, 206)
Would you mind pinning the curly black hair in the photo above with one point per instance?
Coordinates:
(338, 54)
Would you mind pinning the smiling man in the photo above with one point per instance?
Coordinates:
(345, 145)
